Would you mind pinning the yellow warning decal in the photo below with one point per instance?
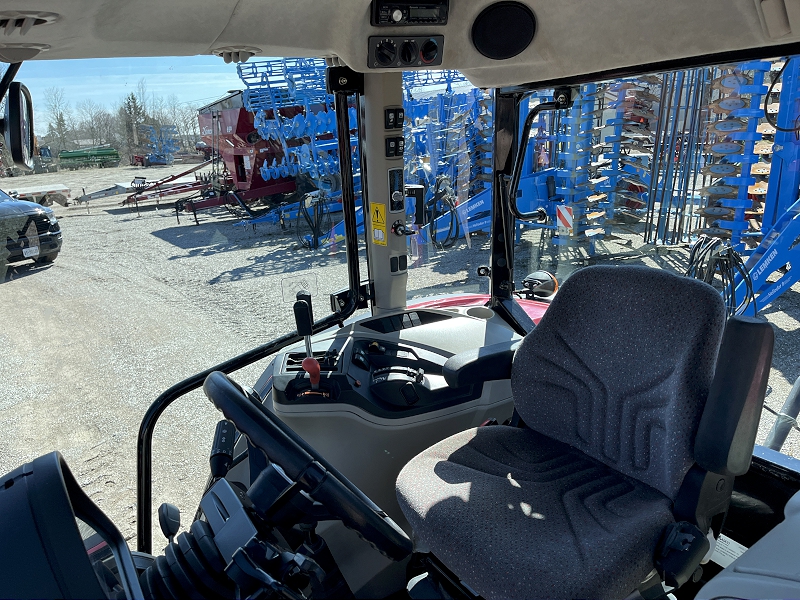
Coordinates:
(378, 212)
(379, 215)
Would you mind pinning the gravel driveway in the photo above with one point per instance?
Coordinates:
(136, 303)
(132, 305)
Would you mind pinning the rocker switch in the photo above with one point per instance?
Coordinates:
(409, 393)
(393, 118)
(391, 147)
(389, 118)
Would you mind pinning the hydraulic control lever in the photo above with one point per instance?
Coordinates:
(304, 318)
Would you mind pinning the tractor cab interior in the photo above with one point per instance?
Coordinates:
(512, 444)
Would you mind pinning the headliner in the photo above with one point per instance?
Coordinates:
(573, 37)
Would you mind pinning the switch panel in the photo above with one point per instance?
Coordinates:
(395, 146)
(402, 52)
(393, 118)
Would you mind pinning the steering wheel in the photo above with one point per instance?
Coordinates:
(304, 465)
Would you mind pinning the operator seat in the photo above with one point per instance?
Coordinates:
(626, 430)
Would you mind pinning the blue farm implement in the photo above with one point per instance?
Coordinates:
(629, 153)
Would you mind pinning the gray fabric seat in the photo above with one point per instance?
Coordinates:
(611, 385)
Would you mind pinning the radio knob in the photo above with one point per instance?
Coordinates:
(429, 51)
(397, 15)
(385, 53)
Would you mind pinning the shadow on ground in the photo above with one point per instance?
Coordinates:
(282, 260)
(20, 270)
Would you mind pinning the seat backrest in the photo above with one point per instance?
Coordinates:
(620, 367)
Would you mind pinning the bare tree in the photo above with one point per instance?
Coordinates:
(60, 127)
(120, 126)
(158, 111)
(89, 113)
(55, 101)
(141, 95)
(184, 117)
(188, 119)
(106, 127)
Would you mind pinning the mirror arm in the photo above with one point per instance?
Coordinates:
(562, 99)
(8, 77)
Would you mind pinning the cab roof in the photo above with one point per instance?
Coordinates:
(573, 37)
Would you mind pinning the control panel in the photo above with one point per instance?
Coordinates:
(374, 370)
(386, 13)
(403, 51)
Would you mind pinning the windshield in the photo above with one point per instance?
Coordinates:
(183, 234)
(194, 199)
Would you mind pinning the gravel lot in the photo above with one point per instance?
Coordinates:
(136, 303)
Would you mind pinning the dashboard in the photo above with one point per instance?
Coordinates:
(389, 366)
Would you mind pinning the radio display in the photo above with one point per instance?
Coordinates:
(423, 13)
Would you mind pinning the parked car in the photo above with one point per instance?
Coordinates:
(28, 231)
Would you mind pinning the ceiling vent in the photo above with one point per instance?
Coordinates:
(22, 21)
(236, 53)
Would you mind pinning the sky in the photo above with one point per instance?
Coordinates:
(193, 79)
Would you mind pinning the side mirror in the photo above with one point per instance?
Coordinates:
(17, 125)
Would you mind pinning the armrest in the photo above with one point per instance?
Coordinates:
(728, 427)
(481, 364)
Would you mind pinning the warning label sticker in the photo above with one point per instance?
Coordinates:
(378, 212)
(727, 551)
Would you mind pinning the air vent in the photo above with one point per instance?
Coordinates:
(236, 53)
(22, 21)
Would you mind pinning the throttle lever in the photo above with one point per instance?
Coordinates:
(311, 366)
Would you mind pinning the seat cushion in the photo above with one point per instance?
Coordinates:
(516, 514)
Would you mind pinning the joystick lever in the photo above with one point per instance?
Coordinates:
(304, 318)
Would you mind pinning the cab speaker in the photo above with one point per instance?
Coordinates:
(503, 30)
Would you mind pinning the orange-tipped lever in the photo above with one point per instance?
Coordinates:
(311, 366)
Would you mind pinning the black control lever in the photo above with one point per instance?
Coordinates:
(304, 318)
(169, 518)
(221, 458)
(400, 228)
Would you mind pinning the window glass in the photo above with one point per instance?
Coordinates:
(691, 171)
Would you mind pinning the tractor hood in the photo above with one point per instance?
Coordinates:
(573, 38)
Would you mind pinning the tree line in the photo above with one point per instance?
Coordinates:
(89, 123)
